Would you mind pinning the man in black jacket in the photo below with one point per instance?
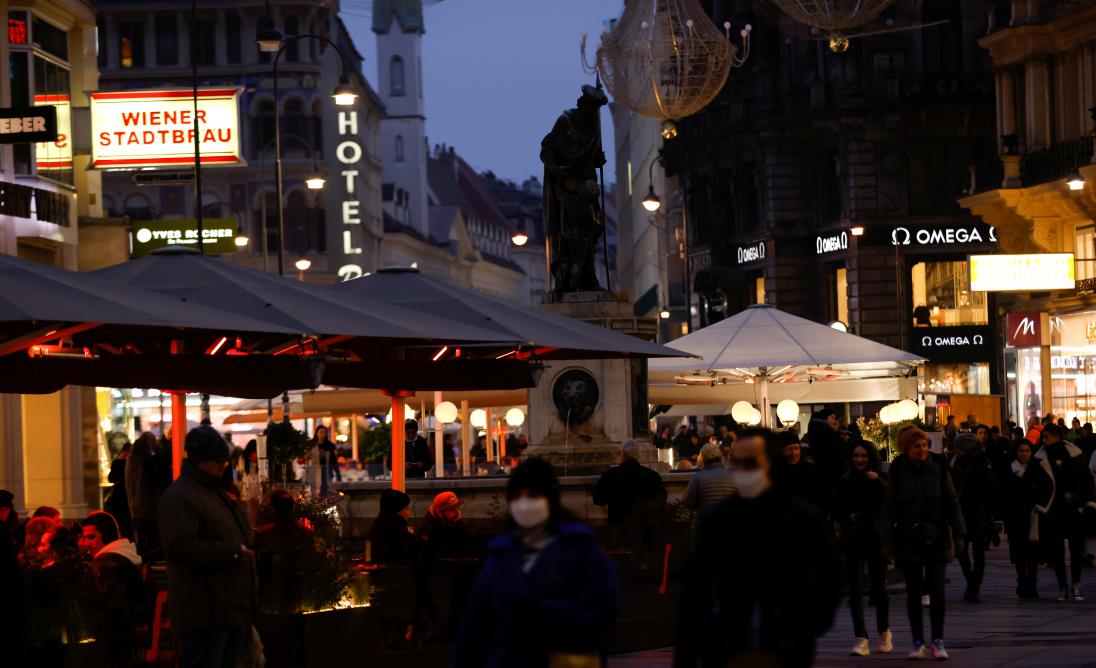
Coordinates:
(765, 579)
(632, 492)
(418, 459)
(210, 563)
(118, 590)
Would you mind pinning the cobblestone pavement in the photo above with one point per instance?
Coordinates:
(1000, 631)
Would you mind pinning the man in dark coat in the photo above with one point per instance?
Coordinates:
(389, 535)
(210, 562)
(974, 483)
(633, 495)
(829, 452)
(765, 581)
(418, 459)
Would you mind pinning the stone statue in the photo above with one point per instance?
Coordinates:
(572, 153)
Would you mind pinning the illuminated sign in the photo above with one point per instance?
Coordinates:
(349, 152)
(904, 236)
(1022, 273)
(24, 125)
(1025, 330)
(970, 343)
(55, 154)
(17, 29)
(155, 128)
(218, 235)
(830, 244)
(747, 254)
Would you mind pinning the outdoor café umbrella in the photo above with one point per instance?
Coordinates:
(763, 345)
(541, 334)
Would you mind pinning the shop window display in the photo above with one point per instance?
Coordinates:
(954, 378)
(942, 296)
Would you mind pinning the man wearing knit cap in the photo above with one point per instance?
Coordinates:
(210, 563)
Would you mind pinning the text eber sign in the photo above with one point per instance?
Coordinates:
(155, 128)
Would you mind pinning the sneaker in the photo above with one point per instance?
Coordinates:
(938, 651)
(1063, 595)
(1077, 595)
(926, 601)
(918, 652)
(885, 644)
(861, 648)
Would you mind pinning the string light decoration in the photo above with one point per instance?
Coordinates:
(665, 59)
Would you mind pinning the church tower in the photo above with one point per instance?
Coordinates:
(399, 28)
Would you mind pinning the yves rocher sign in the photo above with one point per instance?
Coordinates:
(155, 128)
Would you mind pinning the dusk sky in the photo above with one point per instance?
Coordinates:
(498, 72)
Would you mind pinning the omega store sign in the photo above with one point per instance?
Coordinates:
(952, 344)
(751, 254)
(959, 236)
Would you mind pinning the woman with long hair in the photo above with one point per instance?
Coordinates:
(328, 458)
(547, 595)
(1028, 491)
(857, 505)
(922, 525)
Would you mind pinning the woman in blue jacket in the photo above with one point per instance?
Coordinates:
(546, 593)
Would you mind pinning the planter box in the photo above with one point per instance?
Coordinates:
(318, 639)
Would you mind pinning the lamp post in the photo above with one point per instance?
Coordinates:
(197, 134)
(269, 41)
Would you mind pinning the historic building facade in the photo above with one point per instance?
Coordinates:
(1044, 57)
(338, 227)
(826, 184)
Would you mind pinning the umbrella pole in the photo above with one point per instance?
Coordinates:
(761, 389)
(490, 438)
(439, 437)
(354, 437)
(178, 432)
(399, 481)
(465, 437)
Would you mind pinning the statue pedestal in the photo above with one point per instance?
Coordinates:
(582, 409)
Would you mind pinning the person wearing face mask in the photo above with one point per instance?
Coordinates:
(857, 504)
(765, 578)
(1029, 491)
(546, 595)
(921, 524)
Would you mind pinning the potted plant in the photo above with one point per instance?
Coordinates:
(375, 448)
(284, 445)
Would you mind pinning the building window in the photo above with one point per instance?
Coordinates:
(1084, 252)
(19, 73)
(317, 128)
(395, 74)
(942, 296)
(50, 39)
(204, 44)
(838, 297)
(167, 40)
(263, 126)
(292, 46)
(131, 45)
(755, 290)
(942, 44)
(233, 37)
(138, 207)
(399, 148)
(953, 378)
(294, 124)
(51, 88)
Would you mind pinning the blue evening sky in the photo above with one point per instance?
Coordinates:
(498, 72)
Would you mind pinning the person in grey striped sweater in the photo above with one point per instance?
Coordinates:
(711, 484)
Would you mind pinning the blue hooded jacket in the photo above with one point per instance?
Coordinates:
(565, 603)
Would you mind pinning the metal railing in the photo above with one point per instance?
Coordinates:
(1056, 161)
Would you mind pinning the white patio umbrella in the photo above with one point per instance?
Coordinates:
(763, 346)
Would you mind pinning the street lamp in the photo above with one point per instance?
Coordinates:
(241, 239)
(315, 182)
(302, 265)
(651, 202)
(343, 95)
(268, 37)
(520, 238)
(1075, 181)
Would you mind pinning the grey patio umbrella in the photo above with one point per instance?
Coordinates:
(542, 334)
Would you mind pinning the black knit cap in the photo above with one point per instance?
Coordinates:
(393, 501)
(7, 499)
(204, 444)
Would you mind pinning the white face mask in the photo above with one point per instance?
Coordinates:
(529, 512)
(750, 484)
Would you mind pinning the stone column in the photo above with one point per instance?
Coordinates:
(73, 502)
(11, 449)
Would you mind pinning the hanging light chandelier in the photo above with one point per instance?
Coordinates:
(665, 59)
(834, 21)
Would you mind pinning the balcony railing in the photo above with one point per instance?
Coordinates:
(1056, 161)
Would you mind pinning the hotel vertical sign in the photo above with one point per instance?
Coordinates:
(349, 153)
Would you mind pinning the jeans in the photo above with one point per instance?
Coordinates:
(212, 648)
(925, 577)
(973, 573)
(855, 559)
(1053, 533)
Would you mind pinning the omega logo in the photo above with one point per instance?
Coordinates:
(751, 253)
(902, 236)
(949, 341)
(830, 244)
